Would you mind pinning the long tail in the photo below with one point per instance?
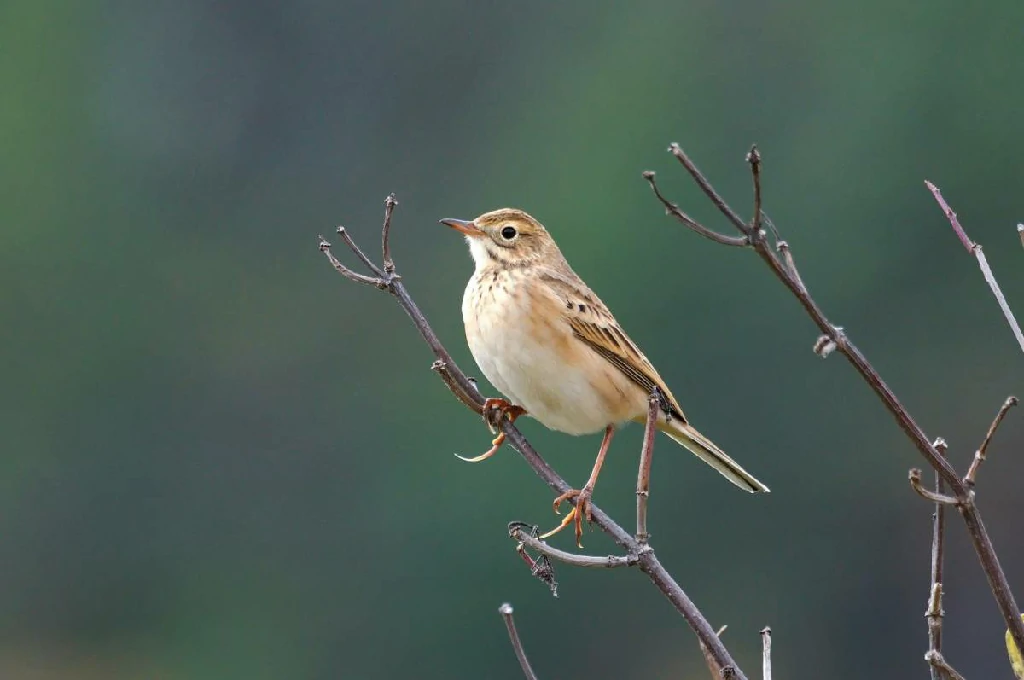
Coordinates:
(706, 450)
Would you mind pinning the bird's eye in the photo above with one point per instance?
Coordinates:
(508, 233)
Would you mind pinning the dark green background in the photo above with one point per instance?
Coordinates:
(221, 460)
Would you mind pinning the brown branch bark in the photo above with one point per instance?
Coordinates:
(979, 455)
(466, 391)
(513, 635)
(933, 613)
(979, 254)
(643, 478)
(786, 272)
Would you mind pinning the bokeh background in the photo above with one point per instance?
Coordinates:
(221, 460)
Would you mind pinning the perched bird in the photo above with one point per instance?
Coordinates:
(546, 341)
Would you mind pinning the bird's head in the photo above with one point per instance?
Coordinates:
(506, 237)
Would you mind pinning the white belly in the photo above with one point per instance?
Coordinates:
(526, 360)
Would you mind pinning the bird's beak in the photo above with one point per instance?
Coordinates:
(466, 227)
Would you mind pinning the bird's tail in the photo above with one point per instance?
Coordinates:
(706, 450)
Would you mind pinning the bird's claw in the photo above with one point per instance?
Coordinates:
(494, 411)
(575, 516)
(496, 408)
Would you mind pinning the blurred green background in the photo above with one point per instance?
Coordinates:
(221, 460)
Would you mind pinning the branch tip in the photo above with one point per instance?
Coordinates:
(513, 635)
(766, 653)
(690, 223)
(914, 476)
(980, 454)
(385, 234)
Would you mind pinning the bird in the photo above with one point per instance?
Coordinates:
(549, 344)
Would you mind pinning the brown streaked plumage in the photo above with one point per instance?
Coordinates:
(549, 344)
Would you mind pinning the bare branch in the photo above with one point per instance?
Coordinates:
(915, 481)
(506, 613)
(709, 190)
(754, 159)
(343, 233)
(787, 257)
(441, 368)
(960, 492)
(466, 391)
(516, 531)
(325, 248)
(954, 221)
(673, 209)
(766, 653)
(936, 660)
(933, 613)
(986, 271)
(979, 455)
(385, 234)
(643, 479)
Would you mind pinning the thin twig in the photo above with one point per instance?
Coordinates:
(441, 368)
(325, 248)
(936, 660)
(933, 613)
(576, 560)
(647, 561)
(986, 271)
(1020, 232)
(766, 653)
(954, 221)
(343, 233)
(787, 257)
(979, 455)
(968, 509)
(643, 478)
(754, 159)
(708, 190)
(385, 234)
(506, 613)
(915, 482)
(674, 210)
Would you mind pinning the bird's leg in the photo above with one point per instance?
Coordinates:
(583, 495)
(494, 410)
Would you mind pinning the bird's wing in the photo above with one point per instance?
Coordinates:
(592, 322)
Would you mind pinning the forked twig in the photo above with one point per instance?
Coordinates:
(513, 635)
(937, 661)
(986, 271)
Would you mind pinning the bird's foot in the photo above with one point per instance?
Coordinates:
(576, 515)
(494, 411)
